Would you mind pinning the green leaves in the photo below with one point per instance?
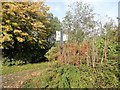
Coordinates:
(78, 21)
(68, 76)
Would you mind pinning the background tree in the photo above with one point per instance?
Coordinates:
(67, 24)
(78, 20)
(55, 25)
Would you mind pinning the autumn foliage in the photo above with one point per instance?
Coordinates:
(72, 53)
(26, 28)
(76, 54)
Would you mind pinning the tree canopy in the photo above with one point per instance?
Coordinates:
(78, 20)
(26, 28)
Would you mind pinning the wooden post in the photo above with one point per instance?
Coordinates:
(61, 41)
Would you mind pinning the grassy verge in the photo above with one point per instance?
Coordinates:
(13, 69)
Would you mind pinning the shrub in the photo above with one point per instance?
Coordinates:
(83, 53)
(10, 62)
(53, 54)
(72, 53)
(68, 76)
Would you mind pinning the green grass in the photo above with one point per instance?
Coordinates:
(13, 69)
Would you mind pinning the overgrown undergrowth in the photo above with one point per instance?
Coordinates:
(68, 76)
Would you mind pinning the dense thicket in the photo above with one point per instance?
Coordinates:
(68, 76)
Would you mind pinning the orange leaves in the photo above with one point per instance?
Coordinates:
(74, 53)
(70, 53)
(84, 48)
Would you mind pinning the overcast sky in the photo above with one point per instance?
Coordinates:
(102, 7)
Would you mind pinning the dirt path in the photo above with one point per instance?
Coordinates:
(16, 80)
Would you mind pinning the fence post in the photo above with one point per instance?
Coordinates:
(61, 41)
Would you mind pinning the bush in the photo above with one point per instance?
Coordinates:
(10, 62)
(24, 55)
(112, 48)
(53, 54)
(68, 76)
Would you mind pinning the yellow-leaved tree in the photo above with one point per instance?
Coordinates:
(25, 29)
